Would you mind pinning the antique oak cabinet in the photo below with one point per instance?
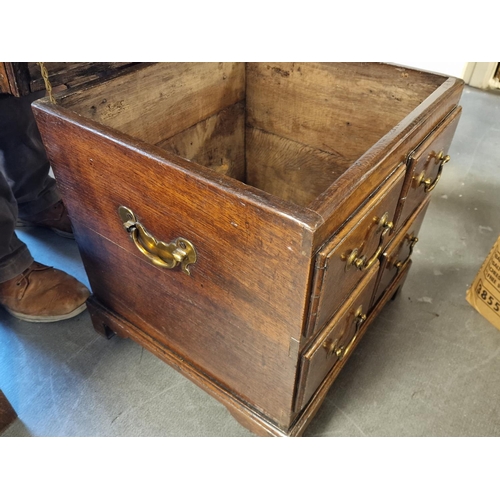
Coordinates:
(245, 222)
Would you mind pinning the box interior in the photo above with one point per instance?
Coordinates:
(290, 129)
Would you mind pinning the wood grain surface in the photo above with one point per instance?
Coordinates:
(241, 312)
(290, 170)
(340, 108)
(217, 142)
(73, 74)
(156, 102)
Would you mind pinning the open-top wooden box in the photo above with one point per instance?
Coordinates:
(247, 221)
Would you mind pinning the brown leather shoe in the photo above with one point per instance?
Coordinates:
(55, 217)
(43, 294)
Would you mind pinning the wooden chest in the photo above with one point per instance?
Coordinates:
(247, 221)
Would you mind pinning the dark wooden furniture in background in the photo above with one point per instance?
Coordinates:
(7, 413)
(4, 80)
(23, 78)
(299, 188)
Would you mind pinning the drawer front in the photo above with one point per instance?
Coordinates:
(337, 339)
(425, 166)
(398, 253)
(344, 261)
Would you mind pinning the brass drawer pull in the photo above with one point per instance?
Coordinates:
(341, 352)
(428, 183)
(363, 263)
(413, 241)
(165, 255)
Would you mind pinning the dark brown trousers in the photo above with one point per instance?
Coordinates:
(25, 185)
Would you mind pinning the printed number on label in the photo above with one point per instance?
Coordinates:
(486, 297)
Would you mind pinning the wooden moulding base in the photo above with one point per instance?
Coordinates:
(7, 413)
(107, 324)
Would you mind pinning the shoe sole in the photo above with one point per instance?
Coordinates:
(64, 234)
(46, 319)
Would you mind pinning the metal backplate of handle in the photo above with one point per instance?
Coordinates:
(428, 183)
(413, 240)
(363, 263)
(332, 346)
(166, 255)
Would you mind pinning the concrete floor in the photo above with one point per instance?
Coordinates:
(428, 366)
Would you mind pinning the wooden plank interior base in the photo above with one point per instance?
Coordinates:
(217, 142)
(293, 171)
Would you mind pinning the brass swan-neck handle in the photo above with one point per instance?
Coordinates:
(166, 255)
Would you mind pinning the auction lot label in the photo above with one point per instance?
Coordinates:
(484, 293)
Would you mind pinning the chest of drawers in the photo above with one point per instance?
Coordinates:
(247, 221)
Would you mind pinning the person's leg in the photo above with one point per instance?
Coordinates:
(14, 255)
(25, 164)
(26, 167)
(29, 290)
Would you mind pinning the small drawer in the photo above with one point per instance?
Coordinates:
(398, 253)
(425, 165)
(344, 261)
(336, 341)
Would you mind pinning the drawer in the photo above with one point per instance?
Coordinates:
(425, 166)
(335, 342)
(344, 261)
(398, 253)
